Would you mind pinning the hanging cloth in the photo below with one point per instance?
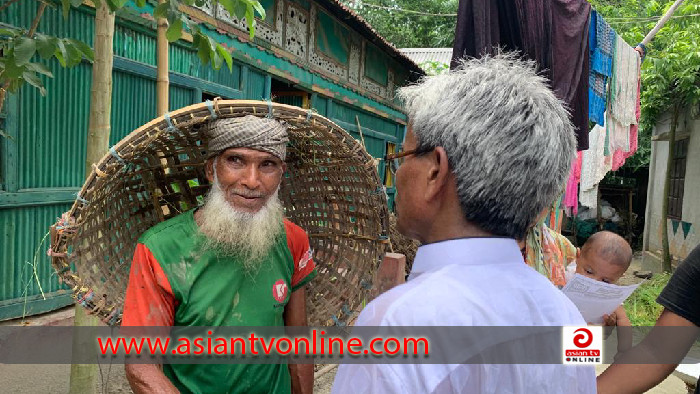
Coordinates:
(571, 193)
(570, 61)
(601, 41)
(625, 79)
(594, 166)
(620, 156)
(553, 33)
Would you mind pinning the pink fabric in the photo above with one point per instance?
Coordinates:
(571, 193)
(634, 129)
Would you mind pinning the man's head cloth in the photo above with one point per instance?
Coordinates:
(263, 134)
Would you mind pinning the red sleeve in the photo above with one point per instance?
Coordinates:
(149, 298)
(298, 243)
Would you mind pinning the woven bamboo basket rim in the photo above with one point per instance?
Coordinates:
(123, 153)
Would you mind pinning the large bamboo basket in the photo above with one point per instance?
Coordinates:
(331, 189)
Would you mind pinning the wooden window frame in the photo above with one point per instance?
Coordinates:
(677, 179)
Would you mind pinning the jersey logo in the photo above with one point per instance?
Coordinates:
(279, 290)
(305, 259)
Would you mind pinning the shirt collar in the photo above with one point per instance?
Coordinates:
(465, 251)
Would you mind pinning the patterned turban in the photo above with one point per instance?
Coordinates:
(263, 134)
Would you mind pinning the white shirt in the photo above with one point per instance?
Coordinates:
(469, 282)
(570, 271)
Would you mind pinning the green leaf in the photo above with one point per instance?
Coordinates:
(40, 68)
(35, 81)
(258, 7)
(204, 51)
(61, 53)
(229, 5)
(9, 32)
(161, 10)
(225, 55)
(140, 3)
(212, 44)
(239, 9)
(74, 55)
(15, 84)
(25, 48)
(84, 48)
(12, 70)
(66, 8)
(45, 45)
(250, 19)
(114, 4)
(174, 30)
(217, 60)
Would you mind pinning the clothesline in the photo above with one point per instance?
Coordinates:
(613, 99)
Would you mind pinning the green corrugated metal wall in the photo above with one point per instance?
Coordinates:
(43, 166)
(21, 231)
(255, 87)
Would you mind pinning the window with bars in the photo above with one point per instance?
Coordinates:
(677, 179)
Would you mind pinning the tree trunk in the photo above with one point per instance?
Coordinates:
(83, 377)
(667, 186)
(162, 82)
(101, 91)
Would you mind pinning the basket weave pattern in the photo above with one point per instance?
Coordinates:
(330, 189)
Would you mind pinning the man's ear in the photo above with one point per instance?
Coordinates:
(438, 172)
(209, 169)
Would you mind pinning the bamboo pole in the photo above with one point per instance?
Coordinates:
(661, 22)
(162, 82)
(667, 184)
(83, 377)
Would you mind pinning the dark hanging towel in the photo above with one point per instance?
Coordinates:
(554, 33)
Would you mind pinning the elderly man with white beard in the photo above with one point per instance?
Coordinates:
(236, 261)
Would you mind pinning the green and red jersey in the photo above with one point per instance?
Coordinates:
(176, 281)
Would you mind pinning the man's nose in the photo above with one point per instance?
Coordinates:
(251, 178)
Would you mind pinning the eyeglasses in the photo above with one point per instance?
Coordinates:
(394, 160)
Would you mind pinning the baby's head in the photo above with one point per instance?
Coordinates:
(604, 257)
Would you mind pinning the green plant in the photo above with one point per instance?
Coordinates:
(641, 307)
(411, 23)
(18, 46)
(18, 49)
(433, 67)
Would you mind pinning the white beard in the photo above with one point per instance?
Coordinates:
(249, 236)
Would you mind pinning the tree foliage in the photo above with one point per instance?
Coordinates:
(410, 23)
(671, 71)
(18, 50)
(18, 46)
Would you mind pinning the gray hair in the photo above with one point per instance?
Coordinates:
(508, 139)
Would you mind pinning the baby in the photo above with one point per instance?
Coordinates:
(605, 257)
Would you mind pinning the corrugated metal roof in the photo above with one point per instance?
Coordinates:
(420, 55)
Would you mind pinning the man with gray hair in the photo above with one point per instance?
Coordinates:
(488, 147)
(233, 262)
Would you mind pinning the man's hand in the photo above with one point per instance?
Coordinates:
(148, 378)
